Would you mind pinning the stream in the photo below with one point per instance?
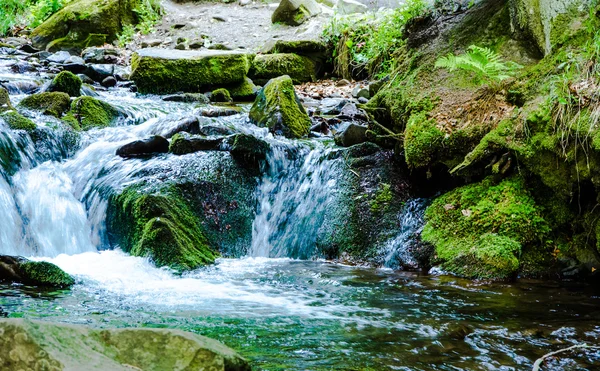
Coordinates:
(273, 301)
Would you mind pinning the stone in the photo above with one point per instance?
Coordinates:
(16, 121)
(220, 95)
(196, 44)
(75, 60)
(295, 12)
(66, 82)
(5, 104)
(183, 143)
(300, 47)
(351, 135)
(346, 7)
(220, 111)
(152, 43)
(109, 82)
(88, 112)
(27, 48)
(96, 55)
(351, 112)
(22, 67)
(59, 57)
(49, 103)
(363, 100)
(267, 66)
(85, 79)
(16, 269)
(188, 124)
(277, 107)
(42, 345)
(219, 46)
(187, 98)
(99, 72)
(144, 148)
(169, 71)
(180, 46)
(248, 150)
(332, 106)
(360, 92)
(84, 23)
(244, 91)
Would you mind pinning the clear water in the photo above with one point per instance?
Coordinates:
(281, 313)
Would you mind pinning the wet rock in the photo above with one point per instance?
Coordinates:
(375, 86)
(59, 57)
(278, 108)
(220, 96)
(295, 12)
(16, 121)
(188, 124)
(27, 48)
(22, 67)
(66, 82)
(27, 343)
(244, 91)
(21, 87)
(84, 23)
(74, 67)
(183, 143)
(4, 100)
(267, 66)
(362, 100)
(458, 331)
(332, 106)
(144, 148)
(351, 135)
(85, 79)
(215, 130)
(219, 47)
(180, 46)
(351, 112)
(75, 60)
(15, 269)
(88, 112)
(100, 55)
(109, 82)
(187, 98)
(321, 127)
(220, 111)
(163, 72)
(99, 72)
(49, 103)
(360, 92)
(248, 150)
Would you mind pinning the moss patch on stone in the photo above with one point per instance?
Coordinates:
(45, 274)
(87, 113)
(243, 91)
(66, 82)
(221, 95)
(53, 104)
(267, 66)
(278, 108)
(16, 121)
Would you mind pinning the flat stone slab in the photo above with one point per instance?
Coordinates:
(164, 71)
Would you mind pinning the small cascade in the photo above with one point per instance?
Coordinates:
(398, 251)
(292, 200)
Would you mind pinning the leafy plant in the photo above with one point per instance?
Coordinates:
(148, 14)
(12, 12)
(483, 62)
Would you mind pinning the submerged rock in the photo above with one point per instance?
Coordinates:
(84, 23)
(53, 104)
(160, 226)
(249, 150)
(160, 71)
(87, 112)
(299, 68)
(20, 270)
(187, 98)
(182, 143)
(66, 82)
(29, 345)
(278, 108)
(295, 12)
(144, 148)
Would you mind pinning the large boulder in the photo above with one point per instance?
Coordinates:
(87, 113)
(66, 82)
(53, 104)
(40, 345)
(267, 66)
(160, 226)
(85, 23)
(15, 269)
(545, 21)
(278, 108)
(295, 12)
(16, 121)
(160, 71)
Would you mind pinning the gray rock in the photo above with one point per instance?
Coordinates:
(359, 92)
(100, 55)
(196, 44)
(74, 60)
(351, 112)
(295, 12)
(152, 43)
(144, 148)
(375, 86)
(85, 79)
(59, 57)
(27, 48)
(363, 100)
(351, 135)
(332, 106)
(99, 72)
(187, 98)
(184, 143)
(180, 46)
(109, 82)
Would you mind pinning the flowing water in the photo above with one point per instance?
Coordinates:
(277, 306)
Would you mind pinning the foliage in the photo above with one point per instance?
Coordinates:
(12, 13)
(487, 65)
(30, 13)
(148, 13)
(365, 44)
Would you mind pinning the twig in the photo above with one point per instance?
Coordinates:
(538, 362)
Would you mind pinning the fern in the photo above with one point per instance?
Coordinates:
(483, 62)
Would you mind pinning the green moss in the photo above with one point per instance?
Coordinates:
(53, 104)
(421, 141)
(267, 66)
(278, 108)
(187, 71)
(16, 121)
(160, 226)
(66, 82)
(458, 221)
(5, 104)
(45, 274)
(87, 112)
(221, 95)
(382, 198)
(243, 91)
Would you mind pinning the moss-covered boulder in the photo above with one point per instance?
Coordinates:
(53, 104)
(221, 95)
(42, 345)
(159, 71)
(88, 112)
(16, 121)
(480, 230)
(267, 66)
(248, 150)
(278, 108)
(84, 23)
(66, 82)
(160, 226)
(244, 91)
(295, 12)
(5, 104)
(20, 270)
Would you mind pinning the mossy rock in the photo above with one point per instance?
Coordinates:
(295, 12)
(221, 95)
(87, 113)
(20, 270)
(478, 230)
(158, 71)
(244, 91)
(84, 23)
(160, 226)
(267, 66)
(182, 143)
(66, 82)
(5, 104)
(249, 150)
(278, 108)
(53, 104)
(16, 121)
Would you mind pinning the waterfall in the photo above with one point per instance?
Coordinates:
(292, 199)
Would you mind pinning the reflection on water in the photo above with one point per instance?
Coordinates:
(287, 314)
